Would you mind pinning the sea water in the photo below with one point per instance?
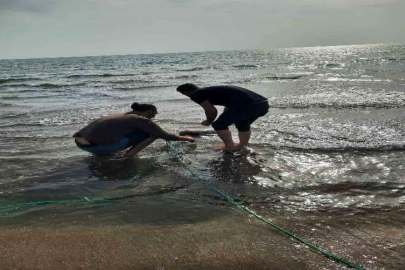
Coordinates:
(330, 152)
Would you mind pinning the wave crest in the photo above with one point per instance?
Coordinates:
(12, 80)
(343, 100)
(78, 76)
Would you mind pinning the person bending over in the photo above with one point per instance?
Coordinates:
(242, 108)
(110, 134)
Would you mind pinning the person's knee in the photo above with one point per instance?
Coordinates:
(218, 125)
(136, 138)
(240, 130)
(242, 127)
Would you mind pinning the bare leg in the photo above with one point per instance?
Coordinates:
(244, 138)
(226, 137)
(139, 147)
(242, 147)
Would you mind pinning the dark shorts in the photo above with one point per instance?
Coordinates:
(109, 149)
(242, 117)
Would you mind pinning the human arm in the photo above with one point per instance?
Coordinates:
(139, 147)
(145, 143)
(185, 138)
(210, 112)
(156, 131)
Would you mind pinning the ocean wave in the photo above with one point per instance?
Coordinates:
(13, 115)
(266, 78)
(11, 86)
(383, 59)
(59, 121)
(363, 59)
(292, 77)
(42, 85)
(245, 66)
(370, 148)
(174, 100)
(128, 81)
(12, 80)
(185, 77)
(105, 75)
(35, 137)
(394, 59)
(190, 69)
(48, 85)
(20, 125)
(2, 104)
(329, 147)
(333, 65)
(342, 100)
(36, 95)
(12, 97)
(56, 85)
(330, 134)
(145, 87)
(340, 79)
(109, 96)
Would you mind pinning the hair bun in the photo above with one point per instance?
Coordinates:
(142, 107)
(135, 106)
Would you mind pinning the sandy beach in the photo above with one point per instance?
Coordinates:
(228, 239)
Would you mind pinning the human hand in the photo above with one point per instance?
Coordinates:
(187, 138)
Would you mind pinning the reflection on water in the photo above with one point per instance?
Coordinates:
(116, 168)
(234, 168)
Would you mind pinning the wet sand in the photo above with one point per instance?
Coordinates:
(222, 239)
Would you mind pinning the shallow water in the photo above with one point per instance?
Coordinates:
(329, 161)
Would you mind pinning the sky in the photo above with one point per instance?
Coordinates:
(62, 28)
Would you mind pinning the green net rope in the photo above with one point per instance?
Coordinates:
(18, 206)
(244, 208)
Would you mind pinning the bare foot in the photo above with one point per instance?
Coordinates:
(239, 147)
(221, 148)
(244, 150)
(247, 151)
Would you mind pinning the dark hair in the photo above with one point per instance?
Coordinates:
(142, 107)
(187, 87)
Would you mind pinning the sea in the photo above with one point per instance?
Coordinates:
(328, 161)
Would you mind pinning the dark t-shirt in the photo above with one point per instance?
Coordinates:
(228, 96)
(112, 128)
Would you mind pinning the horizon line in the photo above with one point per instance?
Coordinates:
(232, 50)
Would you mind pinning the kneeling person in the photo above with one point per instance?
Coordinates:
(110, 134)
